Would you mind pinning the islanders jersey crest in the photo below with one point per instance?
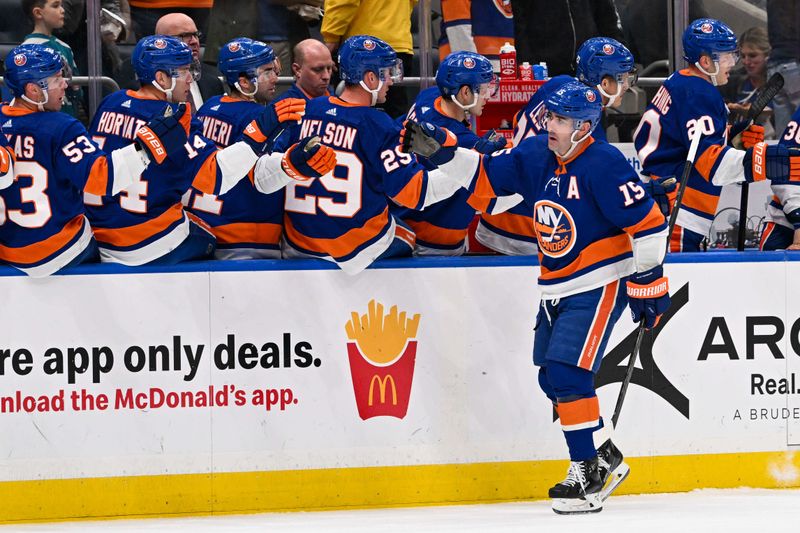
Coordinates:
(555, 228)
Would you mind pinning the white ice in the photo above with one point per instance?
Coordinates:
(745, 510)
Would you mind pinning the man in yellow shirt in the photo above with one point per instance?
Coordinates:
(389, 20)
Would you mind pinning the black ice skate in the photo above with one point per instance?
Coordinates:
(580, 491)
(613, 470)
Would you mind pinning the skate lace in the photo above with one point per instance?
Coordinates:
(575, 475)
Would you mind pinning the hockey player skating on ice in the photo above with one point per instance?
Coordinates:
(43, 227)
(686, 104)
(596, 229)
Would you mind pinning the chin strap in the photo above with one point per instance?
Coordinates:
(249, 95)
(712, 75)
(574, 143)
(167, 92)
(372, 92)
(612, 98)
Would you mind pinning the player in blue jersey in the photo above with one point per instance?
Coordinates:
(782, 230)
(344, 216)
(596, 228)
(312, 69)
(42, 223)
(464, 82)
(246, 223)
(148, 224)
(689, 103)
(602, 63)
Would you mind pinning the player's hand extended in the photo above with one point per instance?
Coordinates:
(491, 142)
(648, 296)
(163, 135)
(437, 145)
(269, 124)
(774, 162)
(660, 190)
(308, 159)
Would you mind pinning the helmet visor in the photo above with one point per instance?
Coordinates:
(728, 59)
(394, 72)
(490, 89)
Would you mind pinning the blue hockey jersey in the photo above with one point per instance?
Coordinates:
(686, 103)
(148, 220)
(586, 210)
(246, 223)
(42, 218)
(344, 216)
(786, 197)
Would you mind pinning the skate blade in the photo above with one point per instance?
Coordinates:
(592, 504)
(617, 477)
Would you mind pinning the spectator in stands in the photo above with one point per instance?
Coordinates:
(47, 16)
(552, 31)
(207, 82)
(481, 26)
(389, 20)
(746, 81)
(74, 33)
(783, 26)
(312, 69)
(146, 13)
(282, 24)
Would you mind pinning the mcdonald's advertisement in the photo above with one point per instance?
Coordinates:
(262, 370)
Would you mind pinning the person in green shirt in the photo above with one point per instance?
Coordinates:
(47, 16)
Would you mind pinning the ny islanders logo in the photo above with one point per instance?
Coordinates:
(504, 7)
(469, 62)
(590, 96)
(608, 49)
(20, 59)
(234, 47)
(706, 27)
(369, 44)
(382, 350)
(554, 227)
(160, 44)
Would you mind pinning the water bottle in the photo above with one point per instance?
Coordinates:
(545, 74)
(525, 71)
(508, 62)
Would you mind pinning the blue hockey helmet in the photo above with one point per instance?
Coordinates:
(464, 68)
(243, 57)
(159, 52)
(601, 56)
(707, 36)
(360, 54)
(576, 101)
(31, 63)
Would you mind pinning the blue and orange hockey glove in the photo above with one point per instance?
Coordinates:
(774, 162)
(437, 145)
(263, 131)
(660, 190)
(648, 296)
(308, 159)
(491, 142)
(752, 135)
(163, 135)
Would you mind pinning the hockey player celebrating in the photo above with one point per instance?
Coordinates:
(688, 104)
(464, 82)
(246, 223)
(344, 216)
(596, 228)
(602, 63)
(148, 224)
(43, 228)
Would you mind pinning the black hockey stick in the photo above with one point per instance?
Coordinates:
(687, 169)
(768, 92)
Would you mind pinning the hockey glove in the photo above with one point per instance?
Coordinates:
(774, 162)
(660, 189)
(437, 145)
(164, 135)
(752, 135)
(271, 122)
(308, 159)
(490, 143)
(648, 296)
